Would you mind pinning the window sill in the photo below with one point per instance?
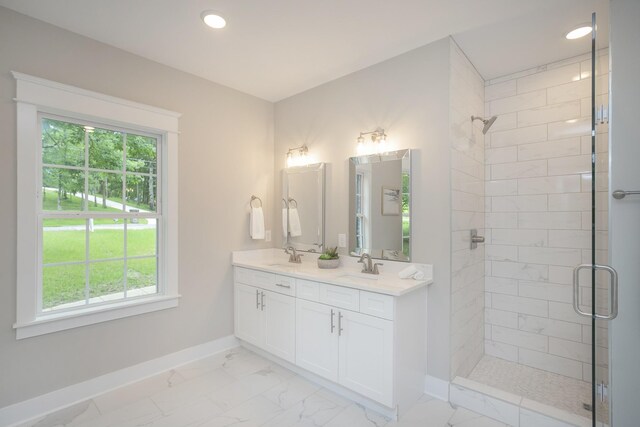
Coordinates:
(54, 322)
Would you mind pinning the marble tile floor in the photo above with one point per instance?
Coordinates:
(240, 388)
(545, 387)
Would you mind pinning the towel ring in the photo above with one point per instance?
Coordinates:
(286, 205)
(255, 198)
(292, 200)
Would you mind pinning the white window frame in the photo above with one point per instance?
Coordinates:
(36, 96)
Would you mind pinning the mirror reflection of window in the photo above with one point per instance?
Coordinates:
(380, 196)
(406, 218)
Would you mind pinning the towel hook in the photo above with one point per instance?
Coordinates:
(255, 198)
(292, 200)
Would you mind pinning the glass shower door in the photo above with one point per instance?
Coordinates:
(595, 282)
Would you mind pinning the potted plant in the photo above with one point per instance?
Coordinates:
(329, 258)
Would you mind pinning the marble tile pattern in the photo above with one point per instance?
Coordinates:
(240, 388)
(466, 99)
(542, 386)
(538, 215)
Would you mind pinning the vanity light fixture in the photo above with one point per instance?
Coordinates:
(579, 31)
(298, 156)
(377, 135)
(213, 20)
(377, 144)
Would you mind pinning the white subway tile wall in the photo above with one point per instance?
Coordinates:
(468, 207)
(538, 215)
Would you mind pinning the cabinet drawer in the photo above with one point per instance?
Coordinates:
(243, 275)
(308, 290)
(265, 280)
(339, 296)
(284, 285)
(376, 304)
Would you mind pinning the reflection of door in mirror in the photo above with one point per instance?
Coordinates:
(379, 205)
(303, 207)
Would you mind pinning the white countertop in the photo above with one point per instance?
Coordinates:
(348, 274)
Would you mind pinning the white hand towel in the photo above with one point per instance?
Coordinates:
(256, 223)
(285, 225)
(294, 223)
(411, 272)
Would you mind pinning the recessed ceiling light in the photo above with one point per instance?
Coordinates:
(213, 20)
(580, 31)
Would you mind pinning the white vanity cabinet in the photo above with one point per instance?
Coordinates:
(266, 319)
(352, 349)
(368, 342)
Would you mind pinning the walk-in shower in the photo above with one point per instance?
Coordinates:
(527, 333)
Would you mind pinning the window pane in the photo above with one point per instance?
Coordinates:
(106, 149)
(141, 276)
(141, 238)
(62, 189)
(106, 238)
(141, 193)
(63, 286)
(62, 143)
(63, 240)
(141, 154)
(106, 280)
(105, 192)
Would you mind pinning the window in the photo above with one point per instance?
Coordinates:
(97, 209)
(99, 214)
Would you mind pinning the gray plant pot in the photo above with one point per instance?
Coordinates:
(328, 263)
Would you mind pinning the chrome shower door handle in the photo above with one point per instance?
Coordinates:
(613, 291)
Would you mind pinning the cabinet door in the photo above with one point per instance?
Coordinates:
(280, 325)
(366, 356)
(248, 325)
(316, 343)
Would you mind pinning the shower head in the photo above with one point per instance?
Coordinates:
(487, 122)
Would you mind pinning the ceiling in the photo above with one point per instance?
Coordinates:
(277, 48)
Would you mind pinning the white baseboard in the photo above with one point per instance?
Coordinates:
(58, 399)
(436, 387)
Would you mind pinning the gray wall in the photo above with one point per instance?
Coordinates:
(623, 222)
(408, 97)
(226, 154)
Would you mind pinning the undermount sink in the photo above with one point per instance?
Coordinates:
(358, 277)
(284, 265)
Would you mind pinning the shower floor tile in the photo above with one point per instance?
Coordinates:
(545, 387)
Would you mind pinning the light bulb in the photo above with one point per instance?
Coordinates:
(213, 20)
(576, 33)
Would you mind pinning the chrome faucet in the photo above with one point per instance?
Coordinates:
(294, 256)
(369, 266)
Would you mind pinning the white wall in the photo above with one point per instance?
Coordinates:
(408, 97)
(625, 227)
(467, 212)
(226, 154)
(538, 217)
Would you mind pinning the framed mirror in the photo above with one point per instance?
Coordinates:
(380, 205)
(303, 207)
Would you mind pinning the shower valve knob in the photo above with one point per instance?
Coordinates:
(475, 239)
